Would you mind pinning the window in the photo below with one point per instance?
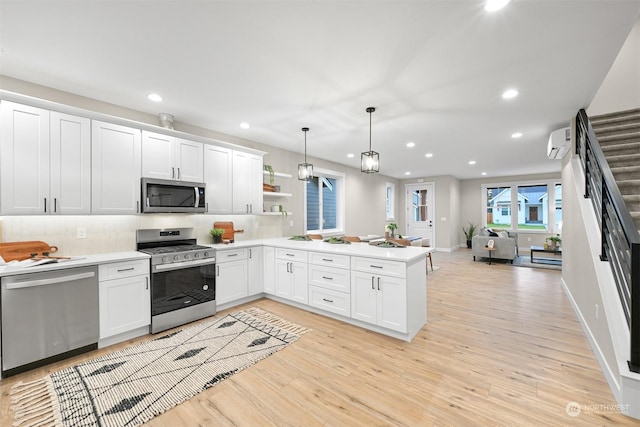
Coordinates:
(535, 206)
(498, 207)
(324, 203)
(390, 198)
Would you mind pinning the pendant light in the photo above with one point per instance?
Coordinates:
(305, 170)
(370, 160)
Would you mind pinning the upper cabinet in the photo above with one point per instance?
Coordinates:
(45, 161)
(116, 169)
(218, 175)
(247, 183)
(167, 157)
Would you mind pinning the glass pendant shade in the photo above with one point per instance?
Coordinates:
(370, 160)
(305, 170)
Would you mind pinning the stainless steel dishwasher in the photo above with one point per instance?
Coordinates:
(48, 316)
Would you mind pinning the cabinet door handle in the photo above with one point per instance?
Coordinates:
(247, 211)
(173, 172)
(45, 205)
(125, 269)
(378, 283)
(146, 279)
(137, 206)
(207, 206)
(327, 278)
(178, 173)
(375, 266)
(249, 253)
(372, 285)
(218, 270)
(55, 204)
(327, 300)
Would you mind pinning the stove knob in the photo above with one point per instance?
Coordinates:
(187, 256)
(165, 259)
(196, 255)
(206, 254)
(176, 258)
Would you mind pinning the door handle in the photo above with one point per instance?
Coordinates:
(178, 173)
(45, 205)
(378, 283)
(55, 204)
(173, 172)
(146, 279)
(372, 286)
(218, 270)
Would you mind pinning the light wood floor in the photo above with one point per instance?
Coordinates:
(502, 346)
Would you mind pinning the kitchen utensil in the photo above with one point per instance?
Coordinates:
(229, 231)
(23, 250)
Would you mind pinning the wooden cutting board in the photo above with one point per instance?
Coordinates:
(22, 250)
(229, 230)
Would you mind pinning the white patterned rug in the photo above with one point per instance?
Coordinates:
(133, 385)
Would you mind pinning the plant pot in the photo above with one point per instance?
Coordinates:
(468, 244)
(217, 239)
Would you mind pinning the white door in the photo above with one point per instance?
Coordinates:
(364, 297)
(231, 283)
(420, 211)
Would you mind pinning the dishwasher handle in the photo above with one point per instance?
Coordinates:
(51, 281)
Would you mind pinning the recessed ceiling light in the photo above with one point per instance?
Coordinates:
(244, 125)
(428, 155)
(516, 135)
(154, 97)
(350, 155)
(511, 93)
(407, 173)
(472, 162)
(493, 5)
(411, 144)
(483, 173)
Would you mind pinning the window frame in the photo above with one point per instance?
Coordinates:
(340, 202)
(390, 198)
(514, 185)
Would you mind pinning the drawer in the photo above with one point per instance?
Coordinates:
(231, 255)
(379, 266)
(291, 254)
(333, 260)
(333, 278)
(122, 269)
(328, 300)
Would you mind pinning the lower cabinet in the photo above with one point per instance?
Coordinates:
(330, 300)
(269, 272)
(255, 271)
(380, 300)
(125, 297)
(291, 280)
(231, 275)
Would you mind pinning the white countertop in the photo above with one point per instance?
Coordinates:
(77, 261)
(406, 254)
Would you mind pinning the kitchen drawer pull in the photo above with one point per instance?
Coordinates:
(375, 266)
(327, 300)
(126, 269)
(230, 255)
(327, 278)
(327, 259)
(290, 254)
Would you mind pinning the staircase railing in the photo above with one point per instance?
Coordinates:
(620, 241)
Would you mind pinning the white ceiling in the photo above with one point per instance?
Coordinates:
(434, 70)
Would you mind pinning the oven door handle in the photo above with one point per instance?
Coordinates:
(177, 265)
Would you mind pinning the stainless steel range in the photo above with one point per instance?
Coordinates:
(183, 285)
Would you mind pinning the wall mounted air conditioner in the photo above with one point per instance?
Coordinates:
(559, 143)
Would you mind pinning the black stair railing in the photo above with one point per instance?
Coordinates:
(620, 241)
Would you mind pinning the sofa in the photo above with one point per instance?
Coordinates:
(505, 244)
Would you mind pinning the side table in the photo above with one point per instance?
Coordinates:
(490, 252)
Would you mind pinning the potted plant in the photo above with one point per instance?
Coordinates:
(392, 228)
(469, 231)
(216, 233)
(554, 241)
(272, 174)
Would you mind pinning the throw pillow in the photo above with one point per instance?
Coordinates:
(493, 233)
(503, 233)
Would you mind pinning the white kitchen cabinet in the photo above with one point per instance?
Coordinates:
(247, 183)
(45, 160)
(291, 280)
(167, 157)
(255, 270)
(124, 295)
(231, 275)
(115, 169)
(218, 175)
(380, 300)
(269, 279)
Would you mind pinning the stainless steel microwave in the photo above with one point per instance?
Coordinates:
(167, 196)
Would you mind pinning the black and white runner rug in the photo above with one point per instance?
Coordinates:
(133, 385)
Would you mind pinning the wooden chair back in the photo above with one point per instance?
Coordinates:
(354, 239)
(315, 236)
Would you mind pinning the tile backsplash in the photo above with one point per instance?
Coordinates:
(115, 233)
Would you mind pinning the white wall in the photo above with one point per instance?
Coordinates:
(365, 195)
(620, 90)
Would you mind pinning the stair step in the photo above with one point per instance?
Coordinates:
(629, 186)
(615, 117)
(622, 159)
(618, 137)
(627, 148)
(636, 219)
(618, 121)
(632, 201)
(626, 125)
(626, 173)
